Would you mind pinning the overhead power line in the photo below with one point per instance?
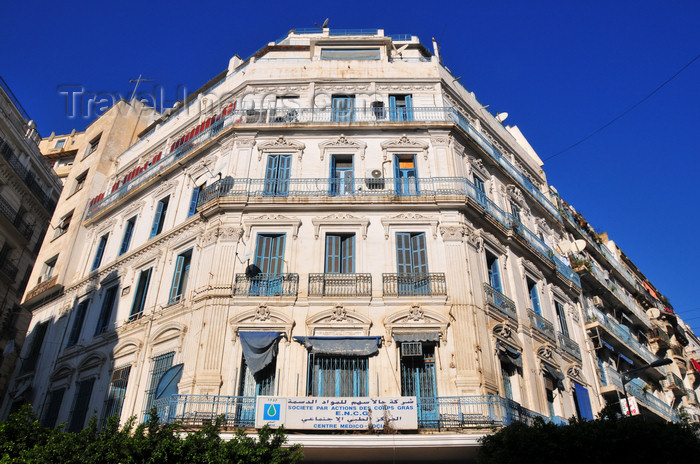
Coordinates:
(619, 116)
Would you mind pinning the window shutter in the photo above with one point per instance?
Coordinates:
(348, 255)
(419, 256)
(392, 108)
(495, 276)
(193, 201)
(403, 253)
(175, 287)
(157, 219)
(333, 254)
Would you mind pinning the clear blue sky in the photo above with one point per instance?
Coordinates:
(560, 70)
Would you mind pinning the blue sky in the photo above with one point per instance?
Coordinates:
(560, 70)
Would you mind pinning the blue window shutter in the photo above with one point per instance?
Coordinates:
(535, 299)
(175, 287)
(403, 253)
(333, 254)
(348, 255)
(584, 402)
(269, 255)
(77, 323)
(100, 252)
(128, 232)
(277, 256)
(106, 310)
(419, 255)
(156, 219)
(193, 201)
(141, 292)
(271, 175)
(392, 108)
(285, 165)
(409, 108)
(495, 276)
(262, 259)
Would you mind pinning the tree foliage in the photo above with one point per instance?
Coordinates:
(608, 439)
(24, 440)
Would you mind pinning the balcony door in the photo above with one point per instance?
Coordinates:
(269, 258)
(412, 264)
(277, 175)
(343, 108)
(401, 107)
(418, 379)
(342, 177)
(405, 175)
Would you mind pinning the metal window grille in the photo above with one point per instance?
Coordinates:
(418, 379)
(409, 349)
(337, 376)
(159, 364)
(117, 392)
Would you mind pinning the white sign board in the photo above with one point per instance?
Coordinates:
(327, 413)
(633, 408)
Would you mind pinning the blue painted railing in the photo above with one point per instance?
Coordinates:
(636, 388)
(434, 412)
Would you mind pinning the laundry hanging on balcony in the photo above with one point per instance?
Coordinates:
(341, 346)
(510, 355)
(556, 374)
(417, 337)
(259, 349)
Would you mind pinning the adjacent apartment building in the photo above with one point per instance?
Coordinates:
(29, 190)
(335, 217)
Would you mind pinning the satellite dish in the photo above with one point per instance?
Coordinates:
(500, 117)
(578, 246)
(376, 173)
(565, 246)
(653, 313)
(252, 271)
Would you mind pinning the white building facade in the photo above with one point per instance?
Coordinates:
(334, 217)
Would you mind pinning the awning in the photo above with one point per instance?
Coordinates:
(626, 359)
(556, 374)
(511, 355)
(417, 337)
(259, 349)
(607, 345)
(342, 346)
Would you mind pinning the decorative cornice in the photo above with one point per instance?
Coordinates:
(416, 319)
(275, 220)
(409, 219)
(280, 144)
(343, 143)
(404, 143)
(454, 233)
(344, 219)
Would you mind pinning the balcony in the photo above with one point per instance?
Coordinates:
(569, 346)
(324, 116)
(340, 285)
(675, 384)
(637, 388)
(622, 335)
(620, 295)
(541, 325)
(659, 335)
(500, 302)
(27, 177)
(456, 412)
(16, 219)
(266, 285)
(9, 269)
(431, 284)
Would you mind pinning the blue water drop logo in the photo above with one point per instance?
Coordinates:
(271, 411)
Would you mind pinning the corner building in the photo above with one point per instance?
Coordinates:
(335, 216)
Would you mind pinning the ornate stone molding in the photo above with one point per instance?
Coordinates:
(412, 219)
(402, 144)
(275, 220)
(408, 88)
(245, 142)
(416, 319)
(338, 320)
(162, 189)
(261, 318)
(281, 145)
(340, 219)
(344, 145)
(454, 233)
(506, 333)
(575, 372)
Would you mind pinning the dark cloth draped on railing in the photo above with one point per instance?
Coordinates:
(259, 349)
(343, 346)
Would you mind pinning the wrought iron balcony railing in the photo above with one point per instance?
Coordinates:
(340, 285)
(266, 285)
(638, 389)
(9, 269)
(430, 284)
(27, 176)
(25, 229)
(541, 324)
(458, 412)
(499, 301)
(569, 346)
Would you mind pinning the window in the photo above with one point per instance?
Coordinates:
(116, 393)
(401, 107)
(494, 272)
(182, 272)
(337, 376)
(405, 175)
(277, 175)
(159, 218)
(263, 383)
(194, 200)
(348, 54)
(412, 263)
(128, 232)
(78, 323)
(480, 189)
(269, 258)
(549, 391)
(80, 181)
(37, 340)
(106, 310)
(140, 296)
(53, 407)
(561, 316)
(81, 404)
(62, 227)
(343, 108)
(159, 366)
(342, 175)
(100, 252)
(418, 378)
(534, 296)
(582, 402)
(94, 144)
(340, 254)
(60, 143)
(5, 252)
(47, 269)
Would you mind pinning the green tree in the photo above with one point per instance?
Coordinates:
(24, 440)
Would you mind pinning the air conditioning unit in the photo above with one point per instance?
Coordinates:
(411, 349)
(598, 302)
(374, 179)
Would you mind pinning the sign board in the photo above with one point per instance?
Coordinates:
(633, 408)
(328, 413)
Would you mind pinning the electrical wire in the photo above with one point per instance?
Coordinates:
(624, 112)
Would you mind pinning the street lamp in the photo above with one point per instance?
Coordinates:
(627, 376)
